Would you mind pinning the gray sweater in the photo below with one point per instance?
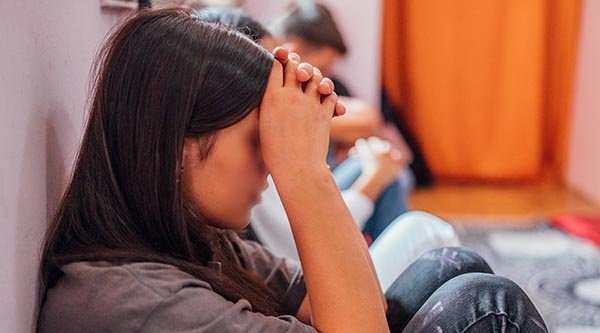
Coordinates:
(153, 297)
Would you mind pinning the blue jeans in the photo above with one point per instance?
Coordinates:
(453, 290)
(390, 204)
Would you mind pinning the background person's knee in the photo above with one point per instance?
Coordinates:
(431, 226)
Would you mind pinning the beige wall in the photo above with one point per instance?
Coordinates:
(47, 47)
(584, 159)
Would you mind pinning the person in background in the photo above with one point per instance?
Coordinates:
(309, 29)
(400, 242)
(376, 197)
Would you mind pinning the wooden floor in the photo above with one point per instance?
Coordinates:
(516, 204)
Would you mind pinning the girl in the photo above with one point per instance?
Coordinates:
(186, 119)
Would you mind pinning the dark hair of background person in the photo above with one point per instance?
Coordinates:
(234, 19)
(313, 23)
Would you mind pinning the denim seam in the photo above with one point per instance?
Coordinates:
(504, 314)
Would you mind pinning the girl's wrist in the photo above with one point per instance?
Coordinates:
(303, 173)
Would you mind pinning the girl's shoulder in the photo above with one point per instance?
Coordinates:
(148, 297)
(112, 297)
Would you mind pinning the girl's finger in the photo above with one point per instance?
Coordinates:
(294, 56)
(329, 103)
(305, 72)
(281, 54)
(326, 86)
(276, 77)
(290, 74)
(312, 86)
(340, 109)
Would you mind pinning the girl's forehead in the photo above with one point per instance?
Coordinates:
(269, 43)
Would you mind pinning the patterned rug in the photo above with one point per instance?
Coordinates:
(560, 273)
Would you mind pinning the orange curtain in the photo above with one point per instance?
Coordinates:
(486, 86)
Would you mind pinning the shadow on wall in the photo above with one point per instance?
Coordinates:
(47, 82)
(43, 130)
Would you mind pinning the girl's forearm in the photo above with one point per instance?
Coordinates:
(343, 291)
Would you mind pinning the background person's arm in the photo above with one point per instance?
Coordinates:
(360, 121)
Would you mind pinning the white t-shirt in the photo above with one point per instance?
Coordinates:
(270, 223)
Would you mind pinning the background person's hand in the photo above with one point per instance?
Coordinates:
(380, 162)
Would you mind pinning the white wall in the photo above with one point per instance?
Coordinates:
(47, 47)
(584, 159)
(360, 24)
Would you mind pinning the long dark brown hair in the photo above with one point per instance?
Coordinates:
(162, 76)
